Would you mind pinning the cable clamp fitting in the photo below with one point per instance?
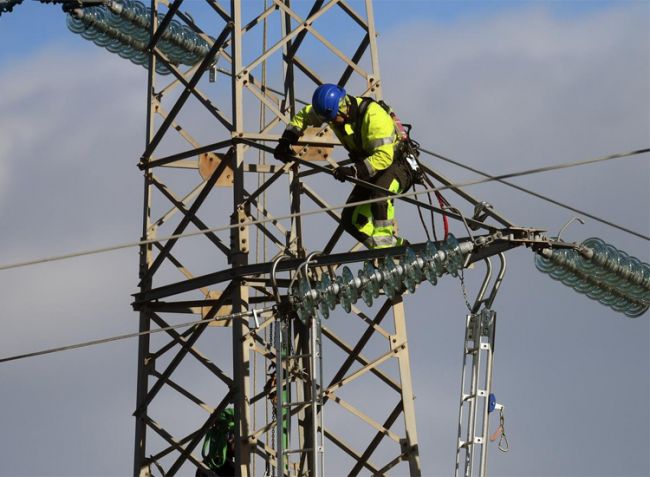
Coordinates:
(256, 319)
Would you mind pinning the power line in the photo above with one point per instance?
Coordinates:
(326, 209)
(86, 344)
(249, 312)
(538, 195)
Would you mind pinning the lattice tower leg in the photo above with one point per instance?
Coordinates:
(410, 442)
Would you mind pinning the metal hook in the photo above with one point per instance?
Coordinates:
(306, 265)
(574, 219)
(274, 283)
(503, 445)
(469, 233)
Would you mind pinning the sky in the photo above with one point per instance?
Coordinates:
(499, 86)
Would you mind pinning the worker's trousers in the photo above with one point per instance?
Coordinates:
(374, 224)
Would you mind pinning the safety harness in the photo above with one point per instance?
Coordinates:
(218, 439)
(407, 152)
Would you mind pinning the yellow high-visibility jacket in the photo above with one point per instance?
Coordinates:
(378, 138)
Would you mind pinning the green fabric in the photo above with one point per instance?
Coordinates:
(215, 443)
(366, 225)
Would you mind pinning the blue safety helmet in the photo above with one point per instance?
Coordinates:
(326, 100)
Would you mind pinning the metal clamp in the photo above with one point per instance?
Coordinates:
(256, 318)
(481, 212)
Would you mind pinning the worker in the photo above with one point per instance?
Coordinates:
(367, 131)
(219, 447)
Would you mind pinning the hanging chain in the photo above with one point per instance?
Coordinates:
(269, 385)
(463, 288)
(278, 459)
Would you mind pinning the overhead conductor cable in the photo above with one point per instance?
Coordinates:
(538, 195)
(327, 209)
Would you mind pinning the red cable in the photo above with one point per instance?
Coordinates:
(442, 202)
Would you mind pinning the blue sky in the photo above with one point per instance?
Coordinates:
(450, 11)
(500, 86)
(33, 24)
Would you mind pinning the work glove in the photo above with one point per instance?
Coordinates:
(361, 169)
(283, 151)
(342, 173)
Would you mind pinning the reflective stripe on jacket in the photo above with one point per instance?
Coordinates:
(378, 139)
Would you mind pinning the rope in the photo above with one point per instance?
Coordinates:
(331, 208)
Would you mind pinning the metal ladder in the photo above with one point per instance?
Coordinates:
(476, 383)
(300, 369)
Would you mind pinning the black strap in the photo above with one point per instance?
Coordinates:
(360, 113)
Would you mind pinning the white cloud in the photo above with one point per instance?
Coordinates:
(519, 85)
(38, 90)
(74, 300)
(516, 91)
(70, 135)
(526, 89)
(524, 84)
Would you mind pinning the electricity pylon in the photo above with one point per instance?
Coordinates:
(297, 387)
(209, 126)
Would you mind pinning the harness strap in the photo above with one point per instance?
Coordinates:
(360, 113)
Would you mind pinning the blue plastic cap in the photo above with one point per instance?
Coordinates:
(325, 100)
(492, 402)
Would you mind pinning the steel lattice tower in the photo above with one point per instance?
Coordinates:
(204, 167)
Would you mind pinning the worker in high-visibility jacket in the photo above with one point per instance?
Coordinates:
(367, 132)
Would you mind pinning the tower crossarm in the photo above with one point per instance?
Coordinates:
(479, 248)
